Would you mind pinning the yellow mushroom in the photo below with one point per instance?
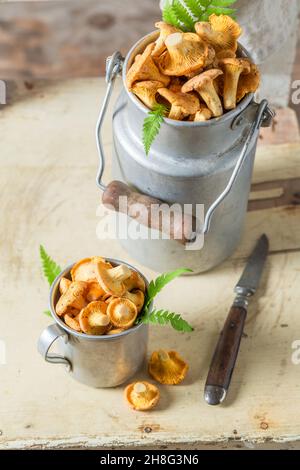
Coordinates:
(222, 32)
(115, 331)
(203, 115)
(137, 297)
(233, 69)
(165, 30)
(185, 54)
(64, 284)
(141, 396)
(93, 319)
(72, 322)
(94, 291)
(112, 280)
(248, 83)
(135, 281)
(122, 313)
(146, 91)
(73, 297)
(144, 68)
(167, 367)
(84, 270)
(204, 85)
(182, 104)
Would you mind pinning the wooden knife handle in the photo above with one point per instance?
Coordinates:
(225, 355)
(138, 207)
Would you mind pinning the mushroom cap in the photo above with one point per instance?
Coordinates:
(135, 281)
(186, 52)
(84, 270)
(165, 30)
(188, 103)
(141, 396)
(73, 297)
(137, 297)
(201, 80)
(167, 367)
(93, 319)
(146, 91)
(222, 32)
(236, 65)
(115, 331)
(144, 68)
(111, 280)
(64, 284)
(72, 322)
(94, 291)
(122, 313)
(248, 83)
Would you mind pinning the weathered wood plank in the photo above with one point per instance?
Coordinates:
(49, 196)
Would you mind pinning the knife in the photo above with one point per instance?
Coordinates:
(225, 355)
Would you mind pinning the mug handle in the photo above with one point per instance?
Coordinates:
(46, 340)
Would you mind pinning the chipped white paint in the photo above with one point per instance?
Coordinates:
(48, 165)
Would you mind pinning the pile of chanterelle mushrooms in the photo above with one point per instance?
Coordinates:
(100, 299)
(198, 75)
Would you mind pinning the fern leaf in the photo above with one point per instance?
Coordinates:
(195, 7)
(50, 269)
(219, 10)
(183, 14)
(222, 3)
(48, 313)
(169, 16)
(164, 317)
(205, 3)
(152, 125)
(160, 282)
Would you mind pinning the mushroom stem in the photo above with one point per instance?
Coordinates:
(120, 273)
(230, 88)
(176, 113)
(209, 95)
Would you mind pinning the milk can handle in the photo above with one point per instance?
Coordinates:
(46, 340)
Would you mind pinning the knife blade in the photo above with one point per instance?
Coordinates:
(226, 352)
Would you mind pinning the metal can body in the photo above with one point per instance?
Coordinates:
(97, 361)
(189, 163)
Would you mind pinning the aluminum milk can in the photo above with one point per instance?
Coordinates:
(204, 165)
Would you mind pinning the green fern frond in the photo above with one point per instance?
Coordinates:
(152, 124)
(164, 317)
(50, 269)
(185, 13)
(48, 313)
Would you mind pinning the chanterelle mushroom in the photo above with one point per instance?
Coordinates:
(167, 367)
(72, 322)
(144, 68)
(182, 104)
(204, 85)
(141, 396)
(233, 69)
(248, 83)
(146, 91)
(185, 54)
(122, 313)
(204, 114)
(73, 297)
(165, 30)
(84, 270)
(137, 297)
(93, 319)
(64, 284)
(135, 281)
(222, 32)
(111, 280)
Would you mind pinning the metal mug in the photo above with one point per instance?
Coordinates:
(197, 163)
(97, 361)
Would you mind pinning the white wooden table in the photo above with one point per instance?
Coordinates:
(48, 167)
